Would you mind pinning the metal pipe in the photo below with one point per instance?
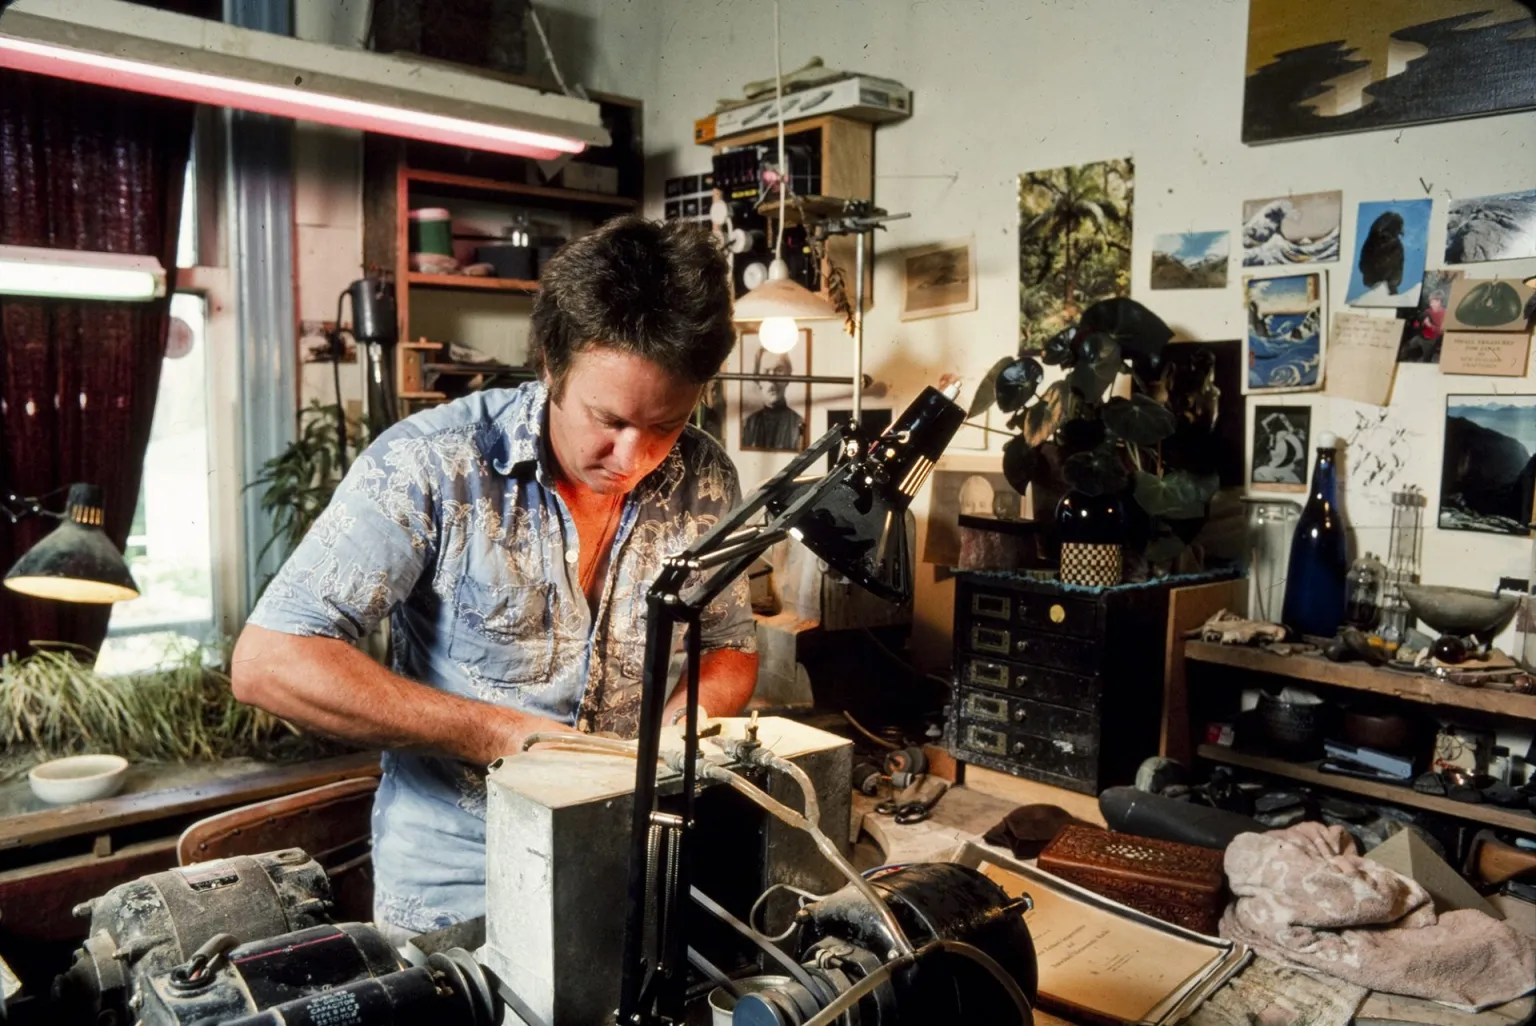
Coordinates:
(798, 379)
(602, 744)
(858, 327)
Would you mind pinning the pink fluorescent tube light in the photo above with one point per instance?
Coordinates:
(125, 46)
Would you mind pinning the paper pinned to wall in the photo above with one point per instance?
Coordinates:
(1363, 357)
(1495, 353)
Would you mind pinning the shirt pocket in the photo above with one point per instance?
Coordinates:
(504, 632)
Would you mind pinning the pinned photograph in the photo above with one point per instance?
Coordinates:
(1280, 452)
(938, 279)
(775, 413)
(1488, 470)
(1425, 329)
(1285, 342)
(1391, 244)
(1190, 260)
(1501, 227)
(1491, 304)
(1074, 244)
(973, 493)
(1292, 229)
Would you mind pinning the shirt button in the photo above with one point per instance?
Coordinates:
(571, 555)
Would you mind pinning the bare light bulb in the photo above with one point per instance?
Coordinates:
(778, 334)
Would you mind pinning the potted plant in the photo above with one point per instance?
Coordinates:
(1083, 450)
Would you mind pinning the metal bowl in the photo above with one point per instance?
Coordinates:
(1461, 611)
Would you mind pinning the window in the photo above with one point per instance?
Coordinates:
(169, 548)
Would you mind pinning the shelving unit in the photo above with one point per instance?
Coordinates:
(1397, 794)
(1411, 687)
(399, 176)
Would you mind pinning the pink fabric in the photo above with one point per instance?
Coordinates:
(1304, 896)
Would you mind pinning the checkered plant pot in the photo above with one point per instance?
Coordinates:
(1096, 565)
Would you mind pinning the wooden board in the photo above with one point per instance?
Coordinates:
(1031, 792)
(420, 279)
(494, 187)
(267, 781)
(1188, 608)
(1360, 677)
(35, 902)
(1510, 819)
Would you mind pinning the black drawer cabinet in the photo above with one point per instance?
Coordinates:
(1061, 685)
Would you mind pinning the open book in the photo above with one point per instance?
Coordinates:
(1103, 961)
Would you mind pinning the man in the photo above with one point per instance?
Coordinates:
(775, 426)
(511, 536)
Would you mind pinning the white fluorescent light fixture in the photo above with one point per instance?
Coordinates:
(141, 49)
(75, 274)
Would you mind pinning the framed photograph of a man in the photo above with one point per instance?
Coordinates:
(775, 414)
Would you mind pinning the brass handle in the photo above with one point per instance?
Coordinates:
(1022, 645)
(1019, 715)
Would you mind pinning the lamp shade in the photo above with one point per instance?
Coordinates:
(859, 526)
(77, 562)
(781, 297)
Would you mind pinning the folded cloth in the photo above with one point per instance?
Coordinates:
(1028, 829)
(1304, 896)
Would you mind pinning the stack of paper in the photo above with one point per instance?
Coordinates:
(1101, 959)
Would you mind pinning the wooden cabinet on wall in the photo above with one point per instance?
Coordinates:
(400, 175)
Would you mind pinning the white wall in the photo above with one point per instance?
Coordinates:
(1002, 88)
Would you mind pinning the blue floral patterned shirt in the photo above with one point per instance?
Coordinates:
(450, 525)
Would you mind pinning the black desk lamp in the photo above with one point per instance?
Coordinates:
(76, 562)
(854, 518)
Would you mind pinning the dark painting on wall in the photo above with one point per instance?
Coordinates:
(1321, 67)
(1490, 463)
(1203, 385)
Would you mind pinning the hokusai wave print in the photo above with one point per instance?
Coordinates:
(1321, 67)
(1286, 334)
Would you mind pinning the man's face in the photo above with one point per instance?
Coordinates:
(618, 417)
(772, 388)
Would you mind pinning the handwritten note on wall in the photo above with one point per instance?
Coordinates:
(1362, 357)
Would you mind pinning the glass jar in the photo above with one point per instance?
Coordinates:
(1267, 552)
(1362, 593)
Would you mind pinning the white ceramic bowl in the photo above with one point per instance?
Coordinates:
(79, 778)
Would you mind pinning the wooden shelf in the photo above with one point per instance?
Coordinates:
(1413, 687)
(444, 180)
(1398, 794)
(471, 369)
(419, 279)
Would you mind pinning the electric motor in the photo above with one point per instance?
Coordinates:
(843, 940)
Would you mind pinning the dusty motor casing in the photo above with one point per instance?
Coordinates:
(146, 927)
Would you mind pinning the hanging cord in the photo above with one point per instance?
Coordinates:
(778, 79)
(549, 54)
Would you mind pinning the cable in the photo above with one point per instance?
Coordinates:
(824, 843)
(752, 912)
(778, 79)
(856, 725)
(773, 951)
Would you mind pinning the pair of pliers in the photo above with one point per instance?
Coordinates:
(908, 812)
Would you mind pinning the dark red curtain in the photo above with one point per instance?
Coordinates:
(85, 168)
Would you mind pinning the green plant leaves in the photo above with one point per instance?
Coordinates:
(1177, 495)
(1095, 472)
(1060, 350)
(1019, 462)
(1098, 366)
(1137, 329)
(986, 391)
(1139, 420)
(1040, 421)
(1081, 433)
(1017, 383)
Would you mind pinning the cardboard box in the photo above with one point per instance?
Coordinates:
(590, 178)
(860, 97)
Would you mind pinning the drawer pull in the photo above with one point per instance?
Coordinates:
(1019, 715)
(1058, 613)
(1022, 645)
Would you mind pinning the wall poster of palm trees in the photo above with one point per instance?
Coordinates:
(1321, 67)
(1074, 244)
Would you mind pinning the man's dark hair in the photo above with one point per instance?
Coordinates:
(660, 290)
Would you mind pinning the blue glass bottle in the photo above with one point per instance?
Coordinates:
(1315, 584)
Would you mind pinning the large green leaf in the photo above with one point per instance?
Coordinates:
(1098, 366)
(1043, 418)
(1017, 382)
(1096, 472)
(1139, 420)
(1061, 348)
(1176, 495)
(1019, 461)
(986, 392)
(1137, 329)
(1081, 434)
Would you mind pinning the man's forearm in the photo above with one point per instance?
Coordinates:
(727, 679)
(329, 687)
